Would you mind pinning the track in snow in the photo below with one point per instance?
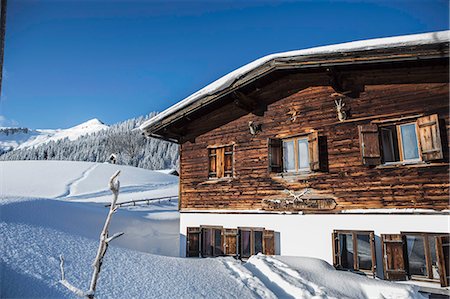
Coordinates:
(75, 182)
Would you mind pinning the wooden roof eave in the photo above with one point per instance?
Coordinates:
(303, 62)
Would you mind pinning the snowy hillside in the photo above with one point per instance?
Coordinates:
(20, 138)
(96, 145)
(48, 208)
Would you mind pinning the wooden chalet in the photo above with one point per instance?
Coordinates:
(338, 152)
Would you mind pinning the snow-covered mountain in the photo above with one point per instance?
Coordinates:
(20, 138)
(90, 141)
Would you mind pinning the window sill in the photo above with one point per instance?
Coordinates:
(411, 164)
(294, 175)
(217, 180)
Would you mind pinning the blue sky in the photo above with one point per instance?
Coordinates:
(70, 61)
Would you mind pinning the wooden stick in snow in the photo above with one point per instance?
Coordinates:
(114, 186)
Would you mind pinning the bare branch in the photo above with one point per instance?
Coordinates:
(116, 235)
(61, 266)
(65, 283)
(114, 185)
(72, 288)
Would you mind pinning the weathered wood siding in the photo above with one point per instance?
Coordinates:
(352, 184)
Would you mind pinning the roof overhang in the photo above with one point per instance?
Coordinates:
(404, 49)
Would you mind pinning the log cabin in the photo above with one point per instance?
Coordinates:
(338, 152)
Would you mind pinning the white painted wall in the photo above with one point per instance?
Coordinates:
(310, 235)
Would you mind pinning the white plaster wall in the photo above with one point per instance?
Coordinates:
(310, 235)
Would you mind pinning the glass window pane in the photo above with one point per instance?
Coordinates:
(288, 156)
(434, 264)
(245, 243)
(258, 241)
(409, 142)
(416, 255)
(364, 252)
(346, 246)
(207, 248)
(387, 142)
(217, 242)
(303, 154)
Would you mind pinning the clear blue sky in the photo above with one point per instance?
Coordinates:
(70, 61)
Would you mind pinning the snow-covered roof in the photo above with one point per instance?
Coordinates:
(298, 55)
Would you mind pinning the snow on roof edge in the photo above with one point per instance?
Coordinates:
(361, 45)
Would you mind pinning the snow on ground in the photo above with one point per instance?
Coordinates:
(48, 208)
(81, 181)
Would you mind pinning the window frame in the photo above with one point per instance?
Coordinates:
(399, 146)
(400, 142)
(213, 228)
(252, 231)
(354, 233)
(226, 174)
(296, 154)
(427, 252)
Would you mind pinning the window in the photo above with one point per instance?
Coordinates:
(220, 161)
(401, 142)
(211, 241)
(422, 256)
(251, 241)
(297, 154)
(354, 250)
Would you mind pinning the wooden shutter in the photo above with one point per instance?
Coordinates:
(220, 157)
(313, 148)
(394, 261)
(336, 250)
(193, 242)
(275, 155)
(374, 256)
(442, 252)
(230, 241)
(429, 137)
(369, 144)
(269, 242)
(212, 155)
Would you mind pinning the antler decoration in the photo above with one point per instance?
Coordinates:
(294, 114)
(297, 195)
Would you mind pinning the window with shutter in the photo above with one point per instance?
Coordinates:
(354, 250)
(220, 161)
(369, 144)
(423, 256)
(393, 247)
(429, 137)
(275, 155)
(295, 154)
(269, 242)
(193, 242)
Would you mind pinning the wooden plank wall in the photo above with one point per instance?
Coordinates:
(353, 185)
